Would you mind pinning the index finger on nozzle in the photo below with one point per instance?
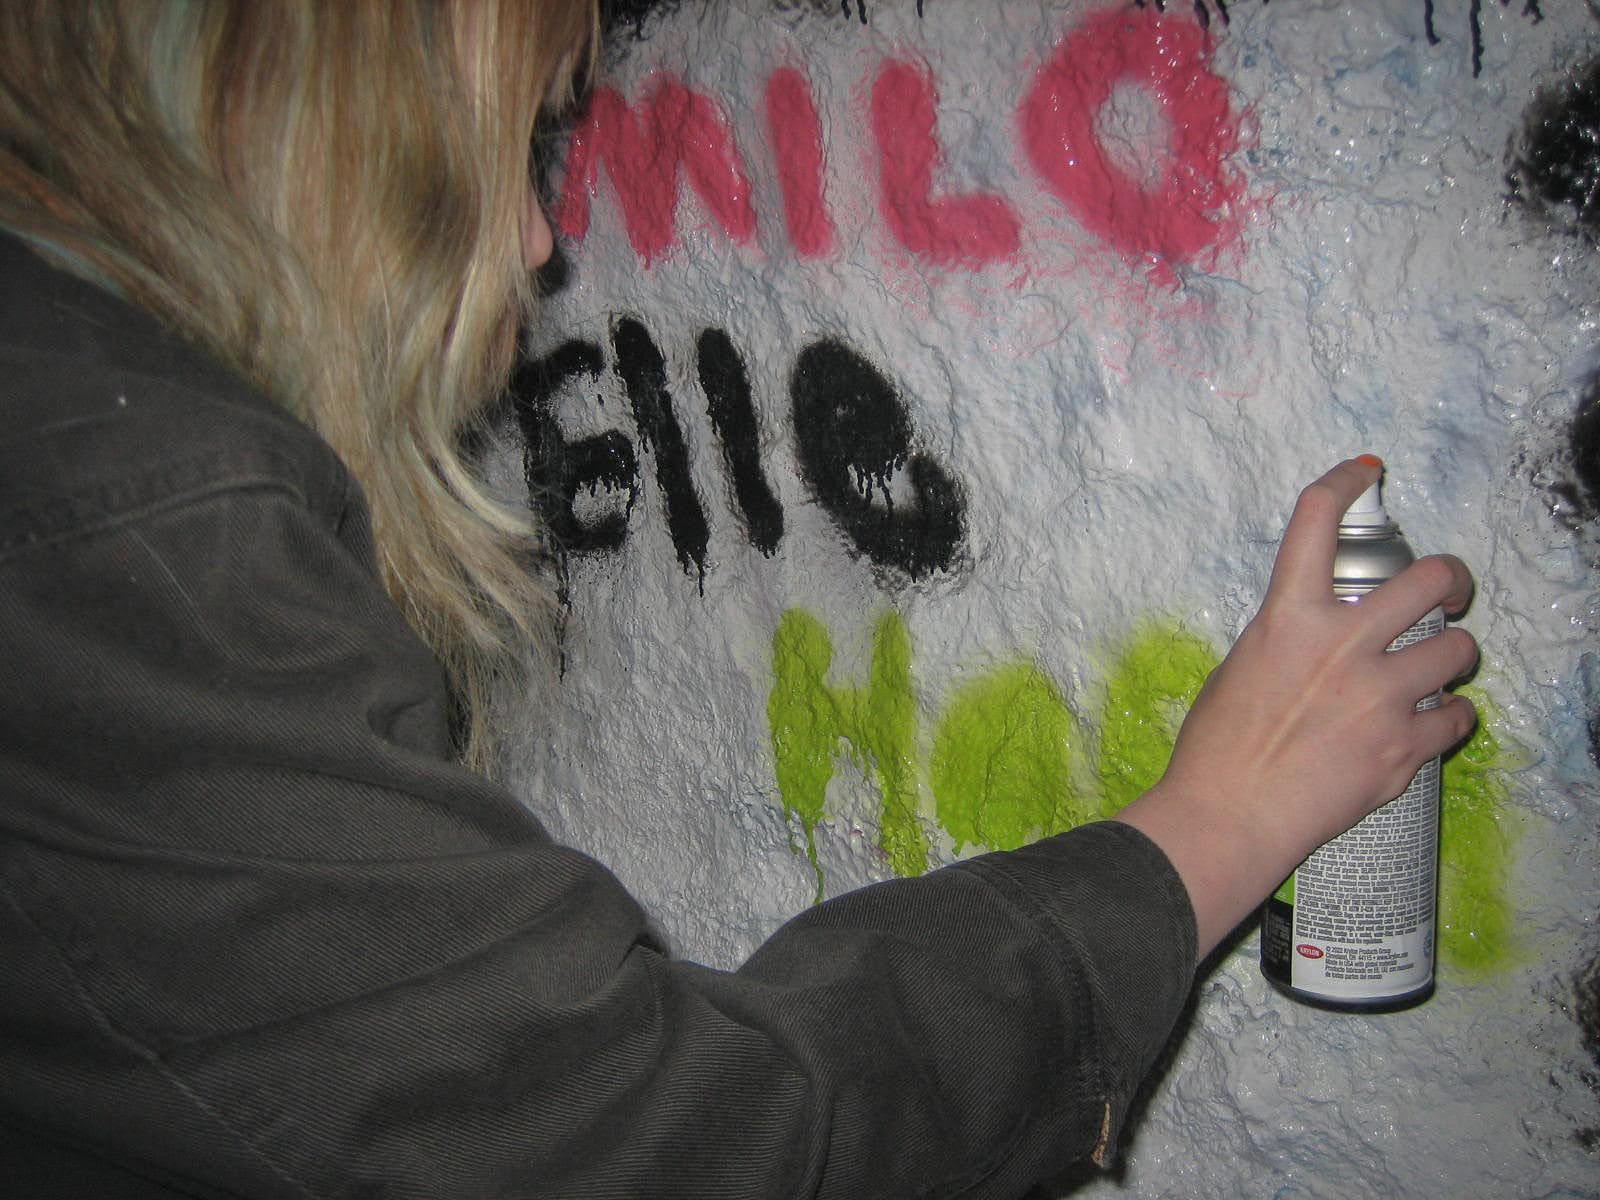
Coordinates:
(1305, 560)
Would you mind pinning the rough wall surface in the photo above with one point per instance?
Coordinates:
(927, 388)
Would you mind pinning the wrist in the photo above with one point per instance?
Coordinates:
(1228, 854)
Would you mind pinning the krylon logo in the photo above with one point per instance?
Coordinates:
(1307, 950)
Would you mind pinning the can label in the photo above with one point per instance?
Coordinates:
(1355, 923)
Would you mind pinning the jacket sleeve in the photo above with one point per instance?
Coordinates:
(263, 940)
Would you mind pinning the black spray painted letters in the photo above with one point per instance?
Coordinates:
(733, 416)
(644, 374)
(853, 434)
(557, 469)
(852, 429)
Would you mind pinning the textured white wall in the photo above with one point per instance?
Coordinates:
(1129, 425)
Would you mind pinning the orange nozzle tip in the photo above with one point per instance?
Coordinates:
(1372, 460)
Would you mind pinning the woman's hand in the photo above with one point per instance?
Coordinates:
(1310, 723)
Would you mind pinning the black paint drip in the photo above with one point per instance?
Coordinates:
(1585, 445)
(1586, 1011)
(557, 470)
(644, 374)
(1575, 497)
(733, 418)
(853, 434)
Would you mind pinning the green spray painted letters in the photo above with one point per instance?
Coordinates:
(1001, 764)
(1011, 762)
(810, 719)
(1006, 748)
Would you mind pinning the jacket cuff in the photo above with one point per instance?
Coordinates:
(1116, 907)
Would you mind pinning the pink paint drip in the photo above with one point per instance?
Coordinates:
(953, 231)
(796, 135)
(1186, 213)
(643, 151)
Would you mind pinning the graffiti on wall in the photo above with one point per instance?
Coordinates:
(1003, 756)
(853, 433)
(1012, 761)
(1007, 759)
(1555, 175)
(851, 252)
(1178, 205)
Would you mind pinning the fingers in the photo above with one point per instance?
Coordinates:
(1434, 663)
(1440, 580)
(1430, 733)
(1304, 570)
(1437, 730)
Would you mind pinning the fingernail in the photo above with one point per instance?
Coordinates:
(1372, 460)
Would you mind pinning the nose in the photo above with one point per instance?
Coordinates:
(538, 243)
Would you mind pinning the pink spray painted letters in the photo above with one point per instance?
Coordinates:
(1184, 214)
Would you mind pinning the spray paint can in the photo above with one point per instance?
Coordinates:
(1353, 927)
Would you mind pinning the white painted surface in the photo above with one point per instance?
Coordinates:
(1129, 451)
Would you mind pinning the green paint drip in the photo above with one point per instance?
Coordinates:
(1156, 677)
(1001, 767)
(884, 732)
(804, 717)
(809, 719)
(1477, 833)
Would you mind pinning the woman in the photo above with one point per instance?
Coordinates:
(264, 935)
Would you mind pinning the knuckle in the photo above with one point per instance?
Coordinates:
(1436, 572)
(1464, 647)
(1397, 756)
(1318, 500)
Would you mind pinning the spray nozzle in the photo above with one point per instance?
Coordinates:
(1368, 510)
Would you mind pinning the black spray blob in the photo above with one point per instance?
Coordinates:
(1555, 159)
(628, 17)
(1574, 493)
(1554, 174)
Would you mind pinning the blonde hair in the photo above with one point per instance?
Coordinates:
(328, 197)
